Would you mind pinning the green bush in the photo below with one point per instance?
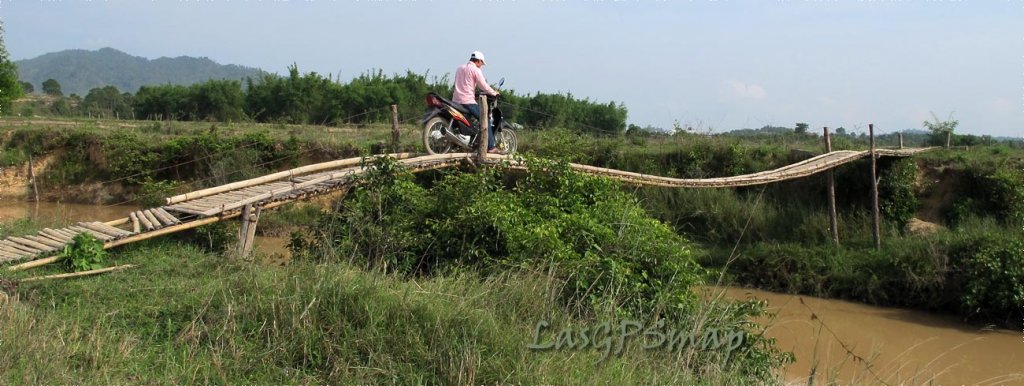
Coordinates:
(85, 254)
(989, 270)
(584, 228)
(898, 197)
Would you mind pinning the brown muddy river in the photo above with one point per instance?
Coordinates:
(855, 343)
(841, 341)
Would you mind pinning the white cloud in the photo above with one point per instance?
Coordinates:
(747, 91)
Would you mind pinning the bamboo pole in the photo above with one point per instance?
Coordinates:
(96, 234)
(247, 231)
(327, 177)
(152, 219)
(31, 243)
(484, 124)
(277, 176)
(394, 128)
(56, 235)
(118, 222)
(45, 241)
(32, 177)
(103, 228)
(79, 274)
(875, 215)
(136, 228)
(833, 216)
(145, 221)
(901, 140)
(163, 213)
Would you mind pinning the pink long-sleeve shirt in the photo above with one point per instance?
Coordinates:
(467, 78)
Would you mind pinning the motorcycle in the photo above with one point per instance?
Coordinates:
(447, 126)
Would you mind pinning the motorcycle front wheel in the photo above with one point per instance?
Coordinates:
(507, 141)
(433, 136)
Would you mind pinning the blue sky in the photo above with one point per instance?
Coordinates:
(712, 65)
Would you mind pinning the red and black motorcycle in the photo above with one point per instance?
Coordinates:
(448, 126)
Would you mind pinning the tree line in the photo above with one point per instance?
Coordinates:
(312, 98)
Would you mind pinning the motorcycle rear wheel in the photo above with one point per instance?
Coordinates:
(433, 136)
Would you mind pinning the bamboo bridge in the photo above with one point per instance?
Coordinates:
(246, 199)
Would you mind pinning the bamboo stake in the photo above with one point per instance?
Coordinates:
(875, 215)
(32, 177)
(484, 124)
(79, 274)
(832, 213)
(394, 127)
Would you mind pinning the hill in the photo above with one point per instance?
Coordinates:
(78, 71)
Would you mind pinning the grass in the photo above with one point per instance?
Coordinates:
(188, 316)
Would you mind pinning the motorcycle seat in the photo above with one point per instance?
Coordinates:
(454, 105)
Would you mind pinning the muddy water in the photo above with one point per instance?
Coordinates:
(897, 346)
(830, 336)
(59, 213)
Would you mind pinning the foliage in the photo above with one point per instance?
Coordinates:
(52, 87)
(990, 270)
(85, 254)
(107, 101)
(898, 196)
(10, 88)
(584, 228)
(940, 128)
(27, 87)
(193, 317)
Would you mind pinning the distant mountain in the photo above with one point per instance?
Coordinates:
(79, 71)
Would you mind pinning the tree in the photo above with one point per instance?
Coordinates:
(27, 87)
(801, 128)
(51, 87)
(940, 129)
(10, 89)
(841, 131)
(106, 101)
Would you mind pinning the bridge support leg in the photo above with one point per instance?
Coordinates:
(832, 215)
(247, 231)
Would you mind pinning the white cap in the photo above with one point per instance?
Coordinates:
(478, 55)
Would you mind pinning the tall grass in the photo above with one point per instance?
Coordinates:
(192, 317)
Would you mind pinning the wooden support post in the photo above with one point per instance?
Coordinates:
(484, 123)
(832, 214)
(901, 140)
(32, 178)
(875, 215)
(949, 138)
(394, 128)
(247, 232)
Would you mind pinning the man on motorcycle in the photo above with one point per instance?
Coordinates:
(467, 78)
